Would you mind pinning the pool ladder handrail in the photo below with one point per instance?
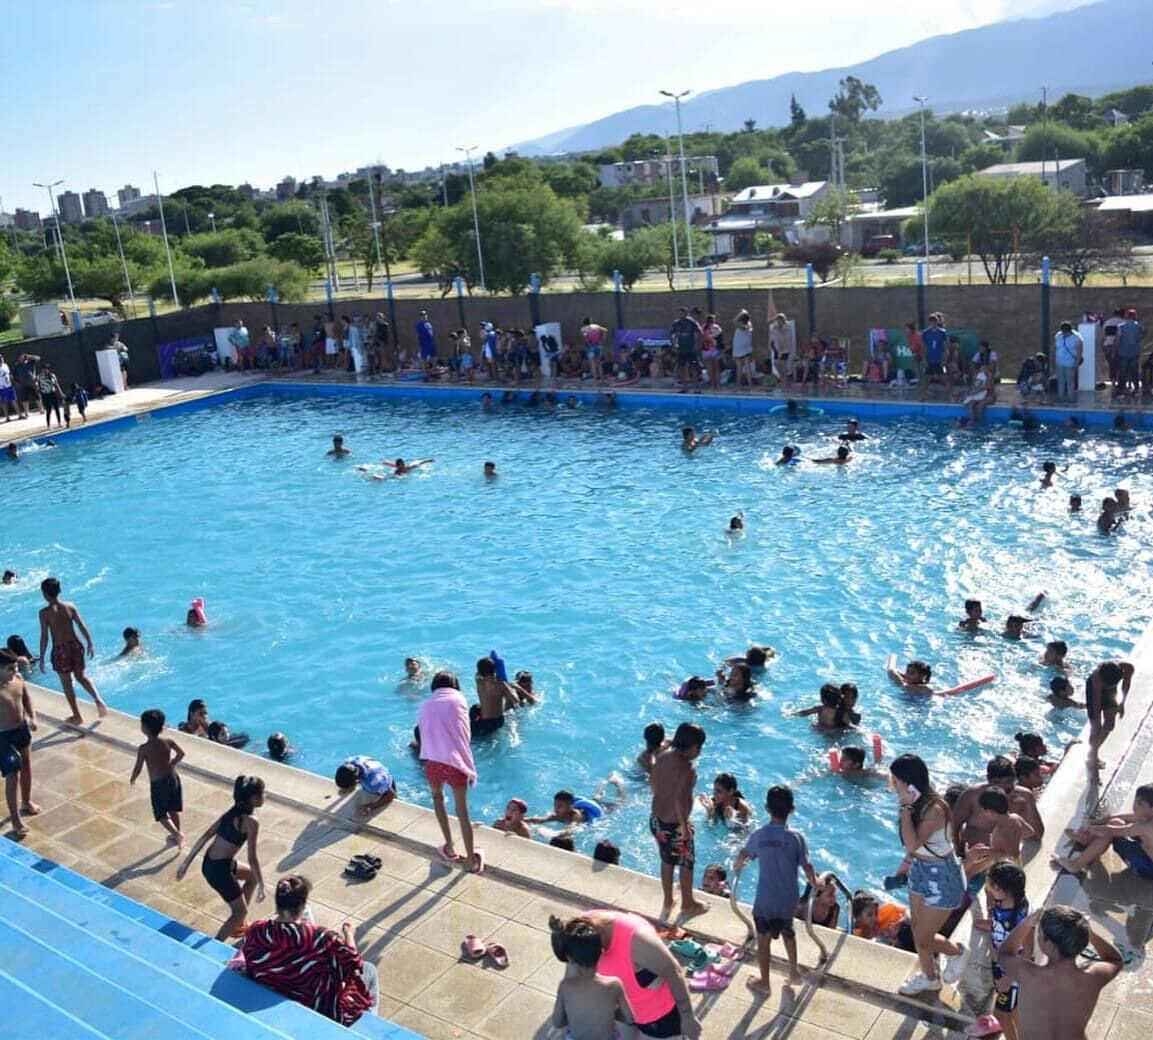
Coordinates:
(810, 931)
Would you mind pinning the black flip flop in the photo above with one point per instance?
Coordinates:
(358, 870)
(373, 861)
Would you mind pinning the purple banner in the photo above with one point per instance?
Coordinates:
(166, 353)
(650, 339)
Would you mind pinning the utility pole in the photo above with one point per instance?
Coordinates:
(1044, 130)
(684, 182)
(924, 180)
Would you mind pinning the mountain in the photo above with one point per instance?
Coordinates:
(1088, 50)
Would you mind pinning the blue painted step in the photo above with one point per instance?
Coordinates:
(108, 1007)
(31, 1016)
(59, 887)
(121, 958)
(99, 893)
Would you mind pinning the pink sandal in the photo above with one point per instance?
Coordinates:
(709, 980)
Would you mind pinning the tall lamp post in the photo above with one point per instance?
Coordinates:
(684, 180)
(212, 220)
(924, 179)
(124, 263)
(63, 252)
(475, 219)
(164, 233)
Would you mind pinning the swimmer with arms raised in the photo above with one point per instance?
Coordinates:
(400, 467)
(690, 441)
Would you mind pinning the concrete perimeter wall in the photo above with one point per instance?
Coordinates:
(1008, 316)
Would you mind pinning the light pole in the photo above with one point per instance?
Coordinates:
(673, 214)
(164, 232)
(63, 252)
(684, 181)
(475, 219)
(124, 263)
(212, 219)
(924, 179)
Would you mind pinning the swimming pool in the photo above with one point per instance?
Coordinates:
(598, 560)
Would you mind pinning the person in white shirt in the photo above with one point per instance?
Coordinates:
(1067, 357)
(7, 393)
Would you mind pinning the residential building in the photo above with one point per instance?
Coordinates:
(136, 204)
(286, 189)
(127, 194)
(1005, 139)
(1134, 213)
(95, 203)
(1056, 173)
(1124, 182)
(70, 207)
(27, 220)
(7, 220)
(647, 173)
(777, 209)
(647, 212)
(872, 219)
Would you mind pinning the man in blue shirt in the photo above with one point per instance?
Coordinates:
(426, 339)
(936, 339)
(685, 334)
(1129, 335)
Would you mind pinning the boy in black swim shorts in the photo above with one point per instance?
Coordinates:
(161, 755)
(17, 720)
(1102, 703)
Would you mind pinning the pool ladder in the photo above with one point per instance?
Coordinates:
(812, 933)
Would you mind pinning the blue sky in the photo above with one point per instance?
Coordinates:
(102, 92)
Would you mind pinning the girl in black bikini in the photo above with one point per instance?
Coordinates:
(220, 869)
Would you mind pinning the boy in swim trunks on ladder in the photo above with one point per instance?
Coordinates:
(58, 618)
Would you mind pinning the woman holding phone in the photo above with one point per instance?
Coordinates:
(936, 881)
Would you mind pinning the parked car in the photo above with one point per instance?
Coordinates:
(877, 244)
(98, 318)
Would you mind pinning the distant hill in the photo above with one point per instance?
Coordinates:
(1089, 50)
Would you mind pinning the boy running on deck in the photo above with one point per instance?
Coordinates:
(17, 721)
(61, 619)
(780, 853)
(162, 756)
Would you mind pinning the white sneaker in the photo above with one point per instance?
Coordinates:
(955, 966)
(918, 983)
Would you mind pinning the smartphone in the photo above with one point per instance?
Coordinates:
(896, 881)
(913, 791)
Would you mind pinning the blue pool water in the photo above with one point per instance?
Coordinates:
(598, 560)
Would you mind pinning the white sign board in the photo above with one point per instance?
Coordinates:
(1087, 373)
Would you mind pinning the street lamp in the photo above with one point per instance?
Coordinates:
(475, 220)
(212, 218)
(164, 232)
(60, 241)
(684, 180)
(924, 179)
(124, 263)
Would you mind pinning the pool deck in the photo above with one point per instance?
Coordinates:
(411, 918)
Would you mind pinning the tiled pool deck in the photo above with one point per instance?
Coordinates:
(411, 918)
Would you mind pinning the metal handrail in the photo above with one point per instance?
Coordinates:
(810, 931)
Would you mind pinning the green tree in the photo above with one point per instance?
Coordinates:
(298, 218)
(224, 248)
(796, 113)
(7, 263)
(305, 250)
(750, 125)
(746, 173)
(41, 277)
(524, 227)
(1057, 141)
(999, 216)
(1076, 110)
(822, 255)
(193, 284)
(903, 181)
(571, 180)
(1130, 147)
(1093, 244)
(632, 257)
(250, 280)
(659, 239)
(832, 210)
(853, 99)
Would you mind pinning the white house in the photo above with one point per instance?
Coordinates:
(779, 209)
(1056, 173)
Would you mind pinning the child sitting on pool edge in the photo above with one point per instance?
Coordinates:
(369, 774)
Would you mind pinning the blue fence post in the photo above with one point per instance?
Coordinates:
(1046, 316)
(709, 291)
(392, 315)
(921, 322)
(458, 281)
(618, 298)
(534, 298)
(811, 289)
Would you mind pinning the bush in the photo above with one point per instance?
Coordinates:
(889, 256)
(822, 255)
(7, 313)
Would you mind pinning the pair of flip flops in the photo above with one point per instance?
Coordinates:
(986, 1025)
(474, 950)
(363, 867)
(714, 977)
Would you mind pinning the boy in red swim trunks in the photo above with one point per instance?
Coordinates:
(58, 618)
(674, 779)
(446, 751)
